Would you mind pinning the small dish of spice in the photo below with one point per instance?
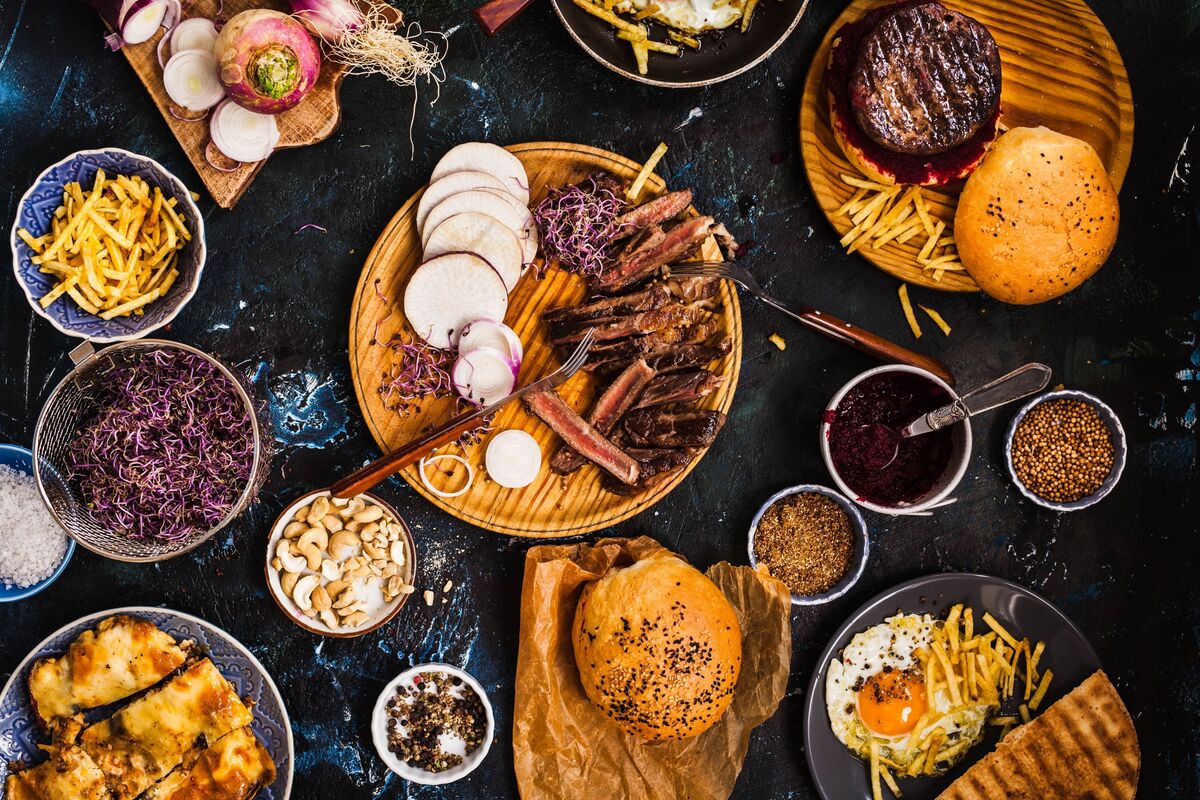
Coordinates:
(34, 550)
(812, 539)
(433, 724)
(1065, 450)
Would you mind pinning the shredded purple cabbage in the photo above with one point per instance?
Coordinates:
(418, 370)
(169, 450)
(577, 225)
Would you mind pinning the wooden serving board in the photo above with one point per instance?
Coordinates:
(1061, 69)
(552, 505)
(314, 120)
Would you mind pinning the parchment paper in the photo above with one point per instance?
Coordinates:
(564, 747)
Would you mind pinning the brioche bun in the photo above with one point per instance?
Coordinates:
(1037, 218)
(658, 647)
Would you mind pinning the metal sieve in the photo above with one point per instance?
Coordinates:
(74, 400)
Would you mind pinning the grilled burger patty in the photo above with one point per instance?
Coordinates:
(926, 79)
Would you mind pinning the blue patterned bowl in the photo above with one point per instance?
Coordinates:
(34, 212)
(20, 736)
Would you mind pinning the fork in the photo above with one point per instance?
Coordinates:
(832, 327)
(382, 468)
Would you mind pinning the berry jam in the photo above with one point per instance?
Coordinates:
(863, 435)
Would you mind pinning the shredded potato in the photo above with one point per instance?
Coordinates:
(635, 189)
(113, 250)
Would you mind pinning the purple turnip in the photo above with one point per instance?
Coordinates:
(268, 61)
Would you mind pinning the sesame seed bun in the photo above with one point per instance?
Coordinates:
(1037, 218)
(658, 647)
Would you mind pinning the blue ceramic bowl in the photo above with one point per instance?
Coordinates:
(21, 459)
(34, 212)
(1115, 432)
(862, 542)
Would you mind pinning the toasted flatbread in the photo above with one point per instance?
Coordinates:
(1082, 747)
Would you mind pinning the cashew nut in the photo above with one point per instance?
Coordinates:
(353, 608)
(347, 598)
(319, 508)
(321, 600)
(294, 529)
(329, 618)
(373, 552)
(355, 620)
(287, 581)
(313, 536)
(290, 563)
(353, 507)
(336, 587)
(301, 514)
(397, 552)
(342, 544)
(330, 570)
(333, 523)
(302, 594)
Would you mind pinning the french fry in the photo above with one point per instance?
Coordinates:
(941, 323)
(128, 307)
(1024, 709)
(607, 16)
(635, 190)
(1040, 694)
(906, 305)
(858, 195)
(649, 11)
(690, 41)
(951, 680)
(890, 781)
(952, 628)
(876, 791)
(747, 14)
(658, 47)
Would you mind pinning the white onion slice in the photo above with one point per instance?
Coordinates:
(452, 457)
(141, 23)
(241, 134)
(192, 80)
(196, 33)
(513, 459)
(484, 375)
(489, 333)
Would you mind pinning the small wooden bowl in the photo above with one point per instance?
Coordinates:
(289, 608)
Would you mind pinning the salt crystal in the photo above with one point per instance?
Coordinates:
(32, 545)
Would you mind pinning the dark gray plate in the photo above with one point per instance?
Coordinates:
(838, 773)
(722, 54)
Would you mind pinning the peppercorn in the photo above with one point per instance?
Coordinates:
(805, 540)
(435, 707)
(1062, 451)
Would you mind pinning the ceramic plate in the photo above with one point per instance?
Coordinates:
(19, 734)
(722, 54)
(838, 773)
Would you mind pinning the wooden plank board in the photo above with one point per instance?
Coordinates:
(1061, 69)
(314, 120)
(553, 505)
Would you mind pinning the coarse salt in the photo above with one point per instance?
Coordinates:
(31, 543)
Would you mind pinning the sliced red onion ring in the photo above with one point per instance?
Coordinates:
(489, 333)
(184, 115)
(218, 160)
(484, 375)
(243, 135)
(192, 80)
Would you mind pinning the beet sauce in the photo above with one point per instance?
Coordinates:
(862, 436)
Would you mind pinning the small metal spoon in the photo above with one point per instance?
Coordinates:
(1019, 383)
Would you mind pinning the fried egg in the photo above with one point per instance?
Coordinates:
(690, 16)
(876, 692)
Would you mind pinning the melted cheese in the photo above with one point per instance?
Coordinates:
(151, 736)
(235, 767)
(120, 657)
(69, 774)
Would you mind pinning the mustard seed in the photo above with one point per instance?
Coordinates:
(1062, 450)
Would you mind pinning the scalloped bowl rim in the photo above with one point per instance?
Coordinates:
(198, 239)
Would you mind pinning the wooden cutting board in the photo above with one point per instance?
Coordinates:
(1061, 69)
(314, 120)
(552, 505)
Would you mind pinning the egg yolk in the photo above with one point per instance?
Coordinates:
(891, 702)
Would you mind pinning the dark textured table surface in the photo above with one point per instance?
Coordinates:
(276, 302)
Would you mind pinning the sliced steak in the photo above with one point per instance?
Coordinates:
(626, 350)
(926, 79)
(645, 322)
(655, 212)
(612, 404)
(679, 387)
(554, 411)
(677, 243)
(693, 290)
(654, 427)
(672, 359)
(657, 465)
(653, 296)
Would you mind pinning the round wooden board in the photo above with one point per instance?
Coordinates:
(552, 505)
(1061, 69)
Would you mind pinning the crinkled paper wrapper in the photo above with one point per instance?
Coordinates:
(564, 747)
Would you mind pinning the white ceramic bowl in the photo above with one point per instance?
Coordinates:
(1115, 432)
(950, 479)
(381, 614)
(379, 728)
(862, 543)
